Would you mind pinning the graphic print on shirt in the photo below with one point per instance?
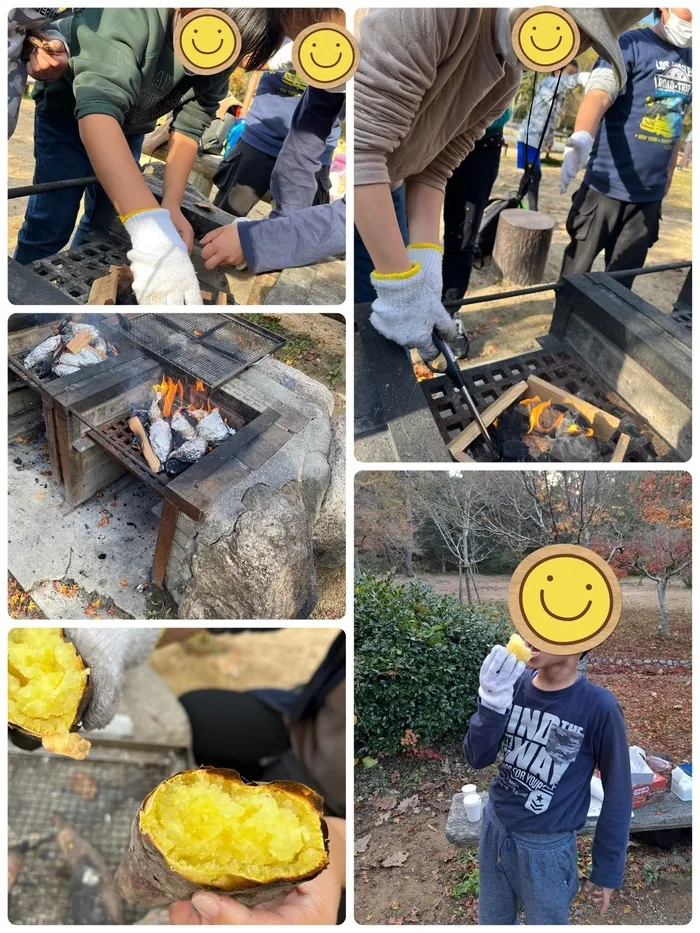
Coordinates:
(663, 117)
(537, 749)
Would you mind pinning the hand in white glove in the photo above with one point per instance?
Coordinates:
(108, 652)
(429, 258)
(406, 310)
(499, 674)
(578, 146)
(161, 266)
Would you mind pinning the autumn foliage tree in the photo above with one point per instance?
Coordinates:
(660, 547)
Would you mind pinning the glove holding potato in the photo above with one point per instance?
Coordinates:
(499, 674)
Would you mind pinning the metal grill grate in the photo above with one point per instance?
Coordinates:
(210, 347)
(121, 437)
(74, 271)
(486, 383)
(38, 789)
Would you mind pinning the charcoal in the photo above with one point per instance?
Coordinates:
(173, 466)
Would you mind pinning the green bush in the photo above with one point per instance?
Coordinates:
(417, 662)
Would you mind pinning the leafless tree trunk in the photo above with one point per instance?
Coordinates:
(661, 585)
(408, 549)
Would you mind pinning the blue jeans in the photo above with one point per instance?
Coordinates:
(537, 870)
(364, 290)
(59, 154)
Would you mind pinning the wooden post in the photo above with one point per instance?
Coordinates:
(522, 245)
(166, 530)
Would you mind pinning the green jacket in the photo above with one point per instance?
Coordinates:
(122, 63)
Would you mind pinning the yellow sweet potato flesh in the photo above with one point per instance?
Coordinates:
(518, 647)
(215, 831)
(46, 683)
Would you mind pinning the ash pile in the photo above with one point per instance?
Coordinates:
(72, 348)
(180, 434)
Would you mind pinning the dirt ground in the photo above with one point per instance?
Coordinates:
(283, 658)
(505, 328)
(436, 883)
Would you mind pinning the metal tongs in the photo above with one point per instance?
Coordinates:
(454, 373)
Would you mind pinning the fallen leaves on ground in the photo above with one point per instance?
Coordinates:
(20, 604)
(68, 590)
(123, 582)
(362, 843)
(395, 860)
(93, 607)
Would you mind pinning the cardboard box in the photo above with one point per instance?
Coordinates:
(642, 794)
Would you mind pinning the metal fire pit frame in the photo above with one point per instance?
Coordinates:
(488, 381)
(174, 491)
(153, 331)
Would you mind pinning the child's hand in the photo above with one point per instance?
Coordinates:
(499, 674)
(222, 247)
(48, 66)
(182, 225)
(599, 896)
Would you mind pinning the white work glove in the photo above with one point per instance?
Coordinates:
(429, 257)
(407, 309)
(108, 652)
(161, 266)
(578, 146)
(499, 674)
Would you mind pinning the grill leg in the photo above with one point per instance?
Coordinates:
(166, 530)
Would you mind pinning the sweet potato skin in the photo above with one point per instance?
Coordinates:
(145, 879)
(74, 746)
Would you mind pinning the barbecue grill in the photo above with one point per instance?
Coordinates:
(211, 347)
(38, 788)
(86, 415)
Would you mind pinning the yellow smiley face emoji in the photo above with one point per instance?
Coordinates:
(207, 41)
(325, 55)
(564, 599)
(546, 38)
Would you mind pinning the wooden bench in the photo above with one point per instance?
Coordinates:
(672, 813)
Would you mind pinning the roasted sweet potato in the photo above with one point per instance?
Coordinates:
(208, 829)
(48, 689)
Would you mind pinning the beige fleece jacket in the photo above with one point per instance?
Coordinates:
(429, 83)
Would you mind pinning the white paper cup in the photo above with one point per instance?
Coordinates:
(469, 789)
(472, 804)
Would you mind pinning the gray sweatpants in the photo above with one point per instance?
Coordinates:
(537, 870)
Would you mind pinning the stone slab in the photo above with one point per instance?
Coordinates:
(671, 814)
(46, 544)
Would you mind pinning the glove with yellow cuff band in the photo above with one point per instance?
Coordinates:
(161, 266)
(429, 257)
(407, 310)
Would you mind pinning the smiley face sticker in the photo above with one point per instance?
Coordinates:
(564, 599)
(546, 38)
(207, 41)
(325, 55)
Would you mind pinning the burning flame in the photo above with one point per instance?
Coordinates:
(171, 396)
(576, 430)
(537, 411)
(168, 391)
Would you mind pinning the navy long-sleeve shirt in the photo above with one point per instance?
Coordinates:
(552, 742)
(297, 233)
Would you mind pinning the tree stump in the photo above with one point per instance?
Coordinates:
(522, 245)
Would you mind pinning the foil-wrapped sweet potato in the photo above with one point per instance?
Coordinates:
(48, 689)
(208, 830)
